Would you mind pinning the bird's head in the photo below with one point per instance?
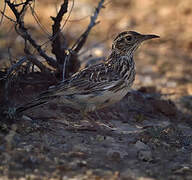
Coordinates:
(129, 41)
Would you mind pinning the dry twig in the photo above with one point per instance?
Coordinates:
(82, 39)
(56, 40)
(71, 59)
(23, 31)
(36, 62)
(2, 12)
(66, 59)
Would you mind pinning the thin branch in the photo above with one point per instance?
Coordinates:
(56, 43)
(23, 31)
(34, 14)
(3, 12)
(108, 2)
(7, 16)
(66, 20)
(15, 66)
(67, 57)
(36, 62)
(27, 36)
(19, 4)
(82, 39)
(23, 7)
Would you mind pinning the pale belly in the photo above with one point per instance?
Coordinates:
(106, 99)
(92, 102)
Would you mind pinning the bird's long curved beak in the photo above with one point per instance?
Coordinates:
(150, 36)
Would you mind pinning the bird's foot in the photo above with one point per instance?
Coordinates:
(10, 113)
(90, 126)
(109, 127)
(106, 123)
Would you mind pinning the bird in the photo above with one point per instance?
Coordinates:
(99, 85)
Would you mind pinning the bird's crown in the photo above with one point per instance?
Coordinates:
(129, 41)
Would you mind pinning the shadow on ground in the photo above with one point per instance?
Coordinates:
(152, 138)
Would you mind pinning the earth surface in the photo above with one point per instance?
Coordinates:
(145, 136)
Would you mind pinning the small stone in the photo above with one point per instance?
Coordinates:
(116, 154)
(28, 148)
(183, 170)
(145, 155)
(100, 138)
(26, 118)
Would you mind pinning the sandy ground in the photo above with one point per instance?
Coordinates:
(152, 129)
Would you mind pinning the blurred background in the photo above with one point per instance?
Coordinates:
(154, 129)
(165, 64)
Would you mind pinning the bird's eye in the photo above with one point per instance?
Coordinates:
(129, 38)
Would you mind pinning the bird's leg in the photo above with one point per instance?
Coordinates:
(94, 125)
(87, 117)
(105, 125)
(10, 113)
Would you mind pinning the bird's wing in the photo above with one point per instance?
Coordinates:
(91, 80)
(98, 77)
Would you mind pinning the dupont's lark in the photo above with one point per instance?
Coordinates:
(99, 85)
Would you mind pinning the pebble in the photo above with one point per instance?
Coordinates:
(145, 155)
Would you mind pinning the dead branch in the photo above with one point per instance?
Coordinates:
(3, 12)
(61, 53)
(82, 39)
(15, 66)
(34, 14)
(4, 15)
(56, 40)
(71, 63)
(23, 31)
(67, 57)
(68, 60)
(36, 62)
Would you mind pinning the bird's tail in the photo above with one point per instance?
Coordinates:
(29, 106)
(43, 98)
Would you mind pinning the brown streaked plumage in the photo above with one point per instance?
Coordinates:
(99, 85)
